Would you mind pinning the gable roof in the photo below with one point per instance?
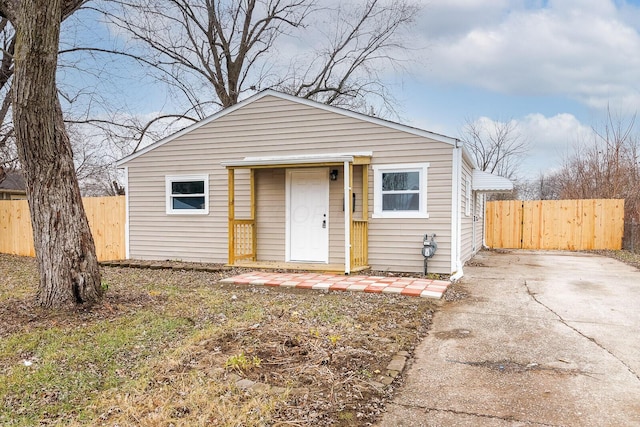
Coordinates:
(303, 101)
(13, 182)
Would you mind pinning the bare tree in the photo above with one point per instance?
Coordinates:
(606, 167)
(498, 146)
(544, 187)
(8, 155)
(95, 148)
(94, 160)
(65, 250)
(211, 52)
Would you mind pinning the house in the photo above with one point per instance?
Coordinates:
(279, 181)
(13, 186)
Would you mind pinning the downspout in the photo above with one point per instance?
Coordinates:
(456, 219)
(484, 221)
(126, 205)
(347, 220)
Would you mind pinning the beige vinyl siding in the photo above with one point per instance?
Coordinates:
(395, 244)
(466, 250)
(271, 214)
(272, 126)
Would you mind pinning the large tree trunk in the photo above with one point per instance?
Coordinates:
(65, 251)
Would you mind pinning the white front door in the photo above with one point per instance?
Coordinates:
(308, 215)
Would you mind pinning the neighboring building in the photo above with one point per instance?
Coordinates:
(13, 186)
(275, 170)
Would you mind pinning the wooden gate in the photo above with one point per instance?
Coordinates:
(555, 224)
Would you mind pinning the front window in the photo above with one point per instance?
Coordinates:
(400, 191)
(187, 194)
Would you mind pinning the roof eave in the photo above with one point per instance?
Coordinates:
(302, 160)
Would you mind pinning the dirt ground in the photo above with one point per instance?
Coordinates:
(319, 357)
(168, 347)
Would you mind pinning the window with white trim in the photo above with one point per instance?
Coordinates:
(400, 191)
(467, 208)
(187, 194)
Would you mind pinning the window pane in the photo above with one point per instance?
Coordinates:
(187, 202)
(400, 181)
(187, 187)
(401, 202)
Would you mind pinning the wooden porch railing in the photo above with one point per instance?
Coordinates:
(244, 239)
(359, 243)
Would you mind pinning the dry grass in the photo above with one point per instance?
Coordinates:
(628, 257)
(166, 347)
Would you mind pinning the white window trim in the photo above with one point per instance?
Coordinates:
(178, 178)
(467, 208)
(377, 190)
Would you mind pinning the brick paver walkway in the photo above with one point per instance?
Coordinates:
(408, 286)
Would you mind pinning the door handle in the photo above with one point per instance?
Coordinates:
(324, 223)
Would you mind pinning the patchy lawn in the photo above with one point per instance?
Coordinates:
(169, 347)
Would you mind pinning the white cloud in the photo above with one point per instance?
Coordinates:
(583, 49)
(550, 139)
(452, 18)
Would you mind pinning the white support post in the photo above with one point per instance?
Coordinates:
(347, 220)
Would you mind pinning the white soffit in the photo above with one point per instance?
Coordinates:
(301, 159)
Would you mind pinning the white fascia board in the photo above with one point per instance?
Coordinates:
(303, 101)
(194, 126)
(466, 153)
(370, 119)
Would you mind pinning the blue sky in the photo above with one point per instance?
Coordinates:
(551, 66)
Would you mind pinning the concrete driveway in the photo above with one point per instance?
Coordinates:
(541, 339)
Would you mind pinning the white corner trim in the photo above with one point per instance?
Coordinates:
(127, 221)
(455, 205)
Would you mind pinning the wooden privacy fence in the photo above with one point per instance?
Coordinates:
(106, 216)
(555, 224)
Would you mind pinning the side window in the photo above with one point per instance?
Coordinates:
(187, 194)
(400, 191)
(467, 208)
